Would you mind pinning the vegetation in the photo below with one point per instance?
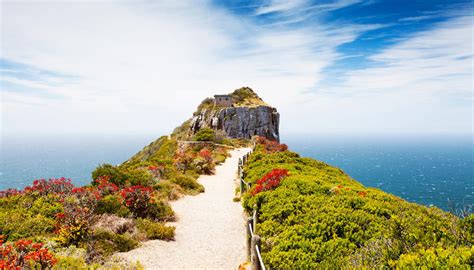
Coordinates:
(207, 109)
(312, 215)
(245, 96)
(124, 205)
(205, 134)
(155, 230)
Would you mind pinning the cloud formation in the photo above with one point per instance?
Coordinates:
(142, 67)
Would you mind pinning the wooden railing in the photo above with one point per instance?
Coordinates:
(253, 239)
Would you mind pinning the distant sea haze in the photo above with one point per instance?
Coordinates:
(427, 170)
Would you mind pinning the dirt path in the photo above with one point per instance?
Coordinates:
(210, 231)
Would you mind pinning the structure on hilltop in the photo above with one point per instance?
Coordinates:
(223, 100)
(240, 114)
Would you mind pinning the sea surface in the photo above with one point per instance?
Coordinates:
(435, 171)
(430, 170)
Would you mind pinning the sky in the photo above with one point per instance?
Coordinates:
(329, 67)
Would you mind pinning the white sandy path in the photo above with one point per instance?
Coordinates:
(210, 231)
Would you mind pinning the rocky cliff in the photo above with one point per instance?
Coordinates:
(240, 122)
(246, 117)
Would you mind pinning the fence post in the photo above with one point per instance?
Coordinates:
(254, 256)
(242, 186)
(249, 237)
(255, 221)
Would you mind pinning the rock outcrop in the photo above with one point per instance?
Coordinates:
(240, 121)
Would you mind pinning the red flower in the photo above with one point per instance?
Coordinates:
(270, 181)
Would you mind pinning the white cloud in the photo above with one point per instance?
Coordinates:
(143, 67)
(280, 6)
(146, 66)
(423, 84)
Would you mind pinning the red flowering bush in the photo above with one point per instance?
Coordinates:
(24, 253)
(157, 171)
(205, 154)
(203, 163)
(10, 192)
(105, 187)
(138, 199)
(74, 224)
(271, 146)
(182, 160)
(270, 181)
(52, 186)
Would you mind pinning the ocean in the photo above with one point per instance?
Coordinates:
(427, 170)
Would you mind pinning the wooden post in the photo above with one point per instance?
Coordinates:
(242, 186)
(255, 221)
(249, 237)
(254, 256)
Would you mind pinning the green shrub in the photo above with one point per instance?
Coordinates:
(318, 217)
(73, 263)
(437, 258)
(160, 211)
(155, 230)
(112, 204)
(104, 243)
(187, 182)
(139, 177)
(27, 215)
(116, 175)
(167, 190)
(204, 134)
(203, 166)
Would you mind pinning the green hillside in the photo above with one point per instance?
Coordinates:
(318, 217)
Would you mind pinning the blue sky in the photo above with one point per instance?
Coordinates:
(340, 66)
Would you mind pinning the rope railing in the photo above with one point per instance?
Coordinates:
(253, 240)
(262, 265)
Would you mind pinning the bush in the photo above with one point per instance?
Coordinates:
(204, 134)
(73, 263)
(25, 216)
(166, 190)
(138, 199)
(114, 174)
(437, 258)
(269, 181)
(104, 243)
(155, 230)
(183, 160)
(270, 146)
(75, 223)
(160, 211)
(25, 254)
(112, 204)
(203, 166)
(319, 217)
(140, 177)
(187, 182)
(59, 186)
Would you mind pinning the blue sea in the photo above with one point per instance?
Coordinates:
(428, 170)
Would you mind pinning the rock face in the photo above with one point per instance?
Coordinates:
(240, 122)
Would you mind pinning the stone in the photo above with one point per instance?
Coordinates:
(240, 122)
